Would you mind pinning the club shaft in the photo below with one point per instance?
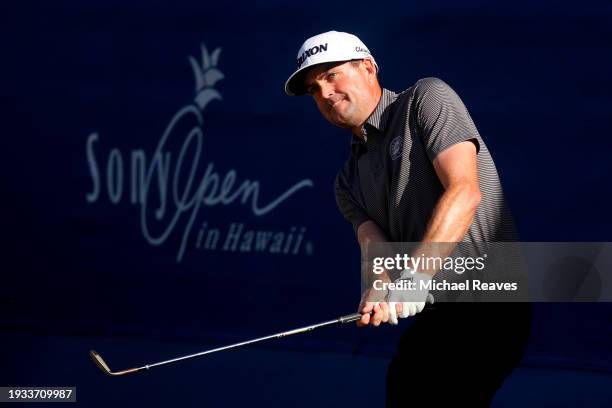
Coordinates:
(343, 319)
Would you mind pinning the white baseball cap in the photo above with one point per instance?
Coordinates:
(332, 46)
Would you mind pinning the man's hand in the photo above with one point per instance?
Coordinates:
(373, 302)
(405, 303)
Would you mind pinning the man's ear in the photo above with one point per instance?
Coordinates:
(370, 67)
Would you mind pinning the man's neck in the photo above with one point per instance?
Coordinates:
(359, 131)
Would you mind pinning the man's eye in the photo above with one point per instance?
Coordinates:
(331, 75)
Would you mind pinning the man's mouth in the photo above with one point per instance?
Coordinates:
(333, 104)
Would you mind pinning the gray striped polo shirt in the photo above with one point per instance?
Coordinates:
(389, 178)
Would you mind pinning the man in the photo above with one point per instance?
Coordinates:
(418, 171)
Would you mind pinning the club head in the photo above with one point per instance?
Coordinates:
(97, 359)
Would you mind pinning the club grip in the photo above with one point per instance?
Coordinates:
(350, 318)
(357, 316)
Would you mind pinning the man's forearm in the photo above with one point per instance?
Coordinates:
(453, 214)
(449, 222)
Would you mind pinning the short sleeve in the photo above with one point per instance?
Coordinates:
(347, 203)
(442, 117)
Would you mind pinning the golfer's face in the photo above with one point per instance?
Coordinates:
(339, 90)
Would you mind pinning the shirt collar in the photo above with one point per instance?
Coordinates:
(378, 118)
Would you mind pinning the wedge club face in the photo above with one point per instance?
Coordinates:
(97, 359)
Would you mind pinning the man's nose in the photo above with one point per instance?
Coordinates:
(327, 90)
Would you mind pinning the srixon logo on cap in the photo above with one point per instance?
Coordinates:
(312, 51)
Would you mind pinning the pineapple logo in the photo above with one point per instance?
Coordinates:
(206, 76)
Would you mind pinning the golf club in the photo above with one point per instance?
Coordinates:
(97, 358)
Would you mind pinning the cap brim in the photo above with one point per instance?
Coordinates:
(295, 84)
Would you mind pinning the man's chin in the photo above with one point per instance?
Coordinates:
(341, 121)
(341, 124)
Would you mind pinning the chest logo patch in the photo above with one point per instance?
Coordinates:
(395, 147)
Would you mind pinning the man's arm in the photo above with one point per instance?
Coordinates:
(457, 170)
(369, 232)
(452, 143)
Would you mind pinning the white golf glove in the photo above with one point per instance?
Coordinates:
(413, 301)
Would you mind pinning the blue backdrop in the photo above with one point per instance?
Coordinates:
(119, 119)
